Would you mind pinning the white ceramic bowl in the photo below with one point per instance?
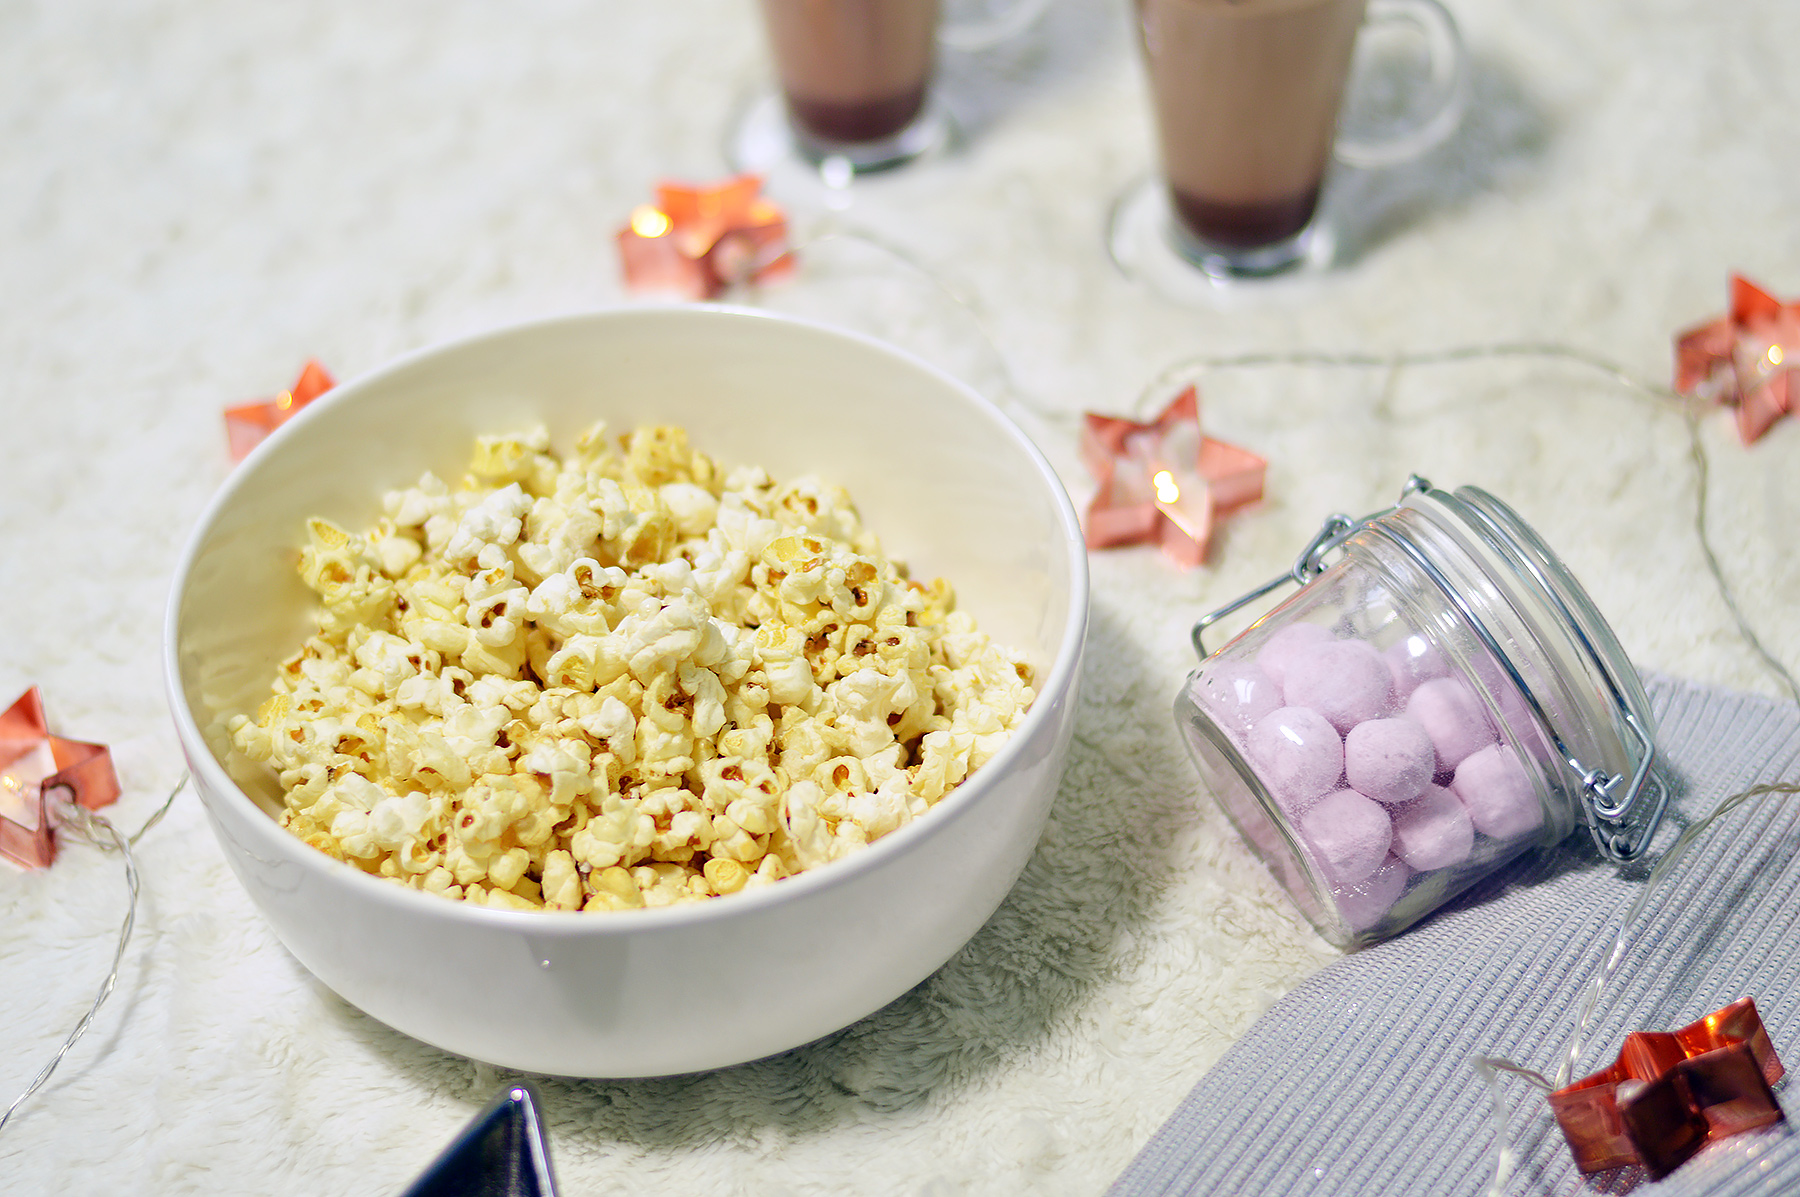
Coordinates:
(948, 483)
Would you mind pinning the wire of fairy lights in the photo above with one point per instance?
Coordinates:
(81, 825)
(833, 228)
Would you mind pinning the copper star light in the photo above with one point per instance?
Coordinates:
(248, 424)
(1747, 358)
(1672, 1092)
(696, 241)
(1164, 482)
(36, 768)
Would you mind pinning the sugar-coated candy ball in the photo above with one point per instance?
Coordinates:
(1362, 905)
(1235, 693)
(1411, 661)
(1492, 675)
(1389, 760)
(1453, 717)
(1524, 728)
(1298, 754)
(1349, 835)
(1346, 681)
(1498, 794)
(1280, 648)
(1433, 831)
(1518, 724)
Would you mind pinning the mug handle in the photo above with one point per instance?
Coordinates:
(1447, 92)
(976, 33)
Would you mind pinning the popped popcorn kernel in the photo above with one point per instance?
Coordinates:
(620, 679)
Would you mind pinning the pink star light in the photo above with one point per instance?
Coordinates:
(1745, 359)
(1164, 482)
(696, 241)
(249, 424)
(36, 768)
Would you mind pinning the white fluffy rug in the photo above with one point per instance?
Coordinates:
(197, 196)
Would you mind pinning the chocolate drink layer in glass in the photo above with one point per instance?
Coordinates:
(1246, 95)
(852, 71)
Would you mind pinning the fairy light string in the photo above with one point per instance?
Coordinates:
(1191, 369)
(82, 826)
(1691, 410)
(831, 229)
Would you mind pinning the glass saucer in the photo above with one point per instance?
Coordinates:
(1142, 242)
(762, 140)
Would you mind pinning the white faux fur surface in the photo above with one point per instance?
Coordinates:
(196, 196)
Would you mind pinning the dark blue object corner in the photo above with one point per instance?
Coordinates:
(504, 1152)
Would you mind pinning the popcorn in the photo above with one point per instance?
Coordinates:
(620, 679)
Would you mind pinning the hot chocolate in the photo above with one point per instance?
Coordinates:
(1246, 95)
(852, 71)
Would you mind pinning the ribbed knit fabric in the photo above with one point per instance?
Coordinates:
(1361, 1081)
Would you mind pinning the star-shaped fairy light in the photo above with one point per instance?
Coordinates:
(1672, 1092)
(1747, 358)
(247, 425)
(696, 241)
(36, 768)
(1164, 482)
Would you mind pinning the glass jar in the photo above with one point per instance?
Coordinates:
(1437, 700)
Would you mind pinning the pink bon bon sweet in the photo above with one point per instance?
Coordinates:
(1237, 693)
(1411, 661)
(1433, 831)
(1349, 834)
(1362, 905)
(1347, 681)
(1299, 755)
(1389, 760)
(1492, 676)
(1285, 645)
(1453, 717)
(1500, 798)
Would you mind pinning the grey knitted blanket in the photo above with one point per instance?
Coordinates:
(1361, 1081)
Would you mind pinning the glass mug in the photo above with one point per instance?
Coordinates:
(855, 75)
(1246, 96)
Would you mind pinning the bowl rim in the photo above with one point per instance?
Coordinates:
(1059, 680)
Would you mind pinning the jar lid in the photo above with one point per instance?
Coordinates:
(1590, 704)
